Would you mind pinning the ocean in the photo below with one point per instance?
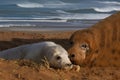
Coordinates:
(68, 14)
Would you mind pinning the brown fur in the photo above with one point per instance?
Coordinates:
(101, 36)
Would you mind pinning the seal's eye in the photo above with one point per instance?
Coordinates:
(84, 46)
(58, 57)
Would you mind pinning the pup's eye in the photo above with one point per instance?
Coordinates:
(58, 57)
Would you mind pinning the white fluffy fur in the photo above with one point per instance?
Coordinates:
(37, 52)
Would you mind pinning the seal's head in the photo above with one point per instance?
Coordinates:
(82, 44)
(78, 52)
(58, 57)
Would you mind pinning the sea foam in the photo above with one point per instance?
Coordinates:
(109, 2)
(30, 5)
(107, 9)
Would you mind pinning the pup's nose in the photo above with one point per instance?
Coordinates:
(68, 64)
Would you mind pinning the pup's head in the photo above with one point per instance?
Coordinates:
(58, 57)
(81, 45)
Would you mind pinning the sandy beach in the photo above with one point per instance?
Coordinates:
(27, 70)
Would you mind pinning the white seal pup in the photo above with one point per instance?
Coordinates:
(55, 54)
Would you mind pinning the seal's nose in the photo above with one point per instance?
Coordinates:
(72, 55)
(68, 64)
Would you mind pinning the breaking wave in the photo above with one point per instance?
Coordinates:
(39, 4)
(109, 2)
(89, 16)
(107, 9)
(30, 5)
